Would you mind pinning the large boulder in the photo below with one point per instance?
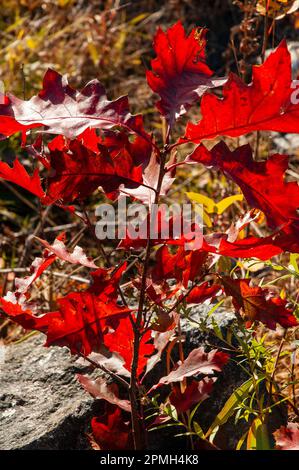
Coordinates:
(42, 406)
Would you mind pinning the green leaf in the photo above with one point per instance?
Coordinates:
(230, 406)
(198, 430)
(241, 441)
(293, 261)
(258, 436)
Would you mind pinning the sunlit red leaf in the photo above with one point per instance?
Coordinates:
(179, 73)
(100, 389)
(121, 341)
(256, 303)
(183, 265)
(262, 183)
(76, 171)
(63, 110)
(111, 431)
(115, 141)
(22, 314)
(264, 104)
(262, 248)
(17, 174)
(198, 362)
(194, 393)
(202, 293)
(80, 322)
(287, 438)
(82, 318)
(59, 249)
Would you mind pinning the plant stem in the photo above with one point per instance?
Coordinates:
(136, 413)
(119, 379)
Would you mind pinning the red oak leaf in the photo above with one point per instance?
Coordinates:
(76, 171)
(111, 361)
(262, 248)
(111, 431)
(265, 104)
(17, 174)
(194, 393)
(81, 321)
(161, 340)
(202, 293)
(150, 176)
(183, 265)
(82, 318)
(287, 238)
(157, 224)
(121, 341)
(287, 438)
(100, 389)
(140, 149)
(179, 73)
(262, 183)
(21, 314)
(257, 304)
(160, 291)
(59, 249)
(66, 111)
(14, 303)
(228, 244)
(38, 266)
(198, 362)
(106, 282)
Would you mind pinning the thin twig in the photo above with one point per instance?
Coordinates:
(116, 377)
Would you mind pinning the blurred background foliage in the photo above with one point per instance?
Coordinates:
(107, 39)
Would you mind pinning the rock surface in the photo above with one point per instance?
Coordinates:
(42, 406)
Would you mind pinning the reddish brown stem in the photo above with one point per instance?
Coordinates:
(139, 436)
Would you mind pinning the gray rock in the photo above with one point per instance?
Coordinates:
(42, 406)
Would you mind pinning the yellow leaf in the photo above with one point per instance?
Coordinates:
(31, 43)
(258, 438)
(139, 18)
(213, 207)
(93, 52)
(207, 219)
(119, 45)
(283, 293)
(227, 202)
(203, 214)
(207, 202)
(64, 3)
